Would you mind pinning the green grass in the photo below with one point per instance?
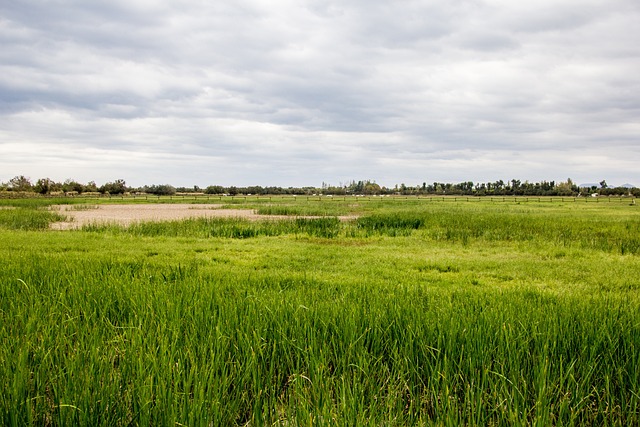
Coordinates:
(306, 209)
(22, 218)
(236, 228)
(417, 313)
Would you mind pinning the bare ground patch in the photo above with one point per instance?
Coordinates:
(79, 215)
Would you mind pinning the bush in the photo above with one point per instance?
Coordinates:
(214, 189)
(160, 190)
(118, 187)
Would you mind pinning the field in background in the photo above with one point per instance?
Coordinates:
(415, 311)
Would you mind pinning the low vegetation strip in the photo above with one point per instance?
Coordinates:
(459, 223)
(445, 314)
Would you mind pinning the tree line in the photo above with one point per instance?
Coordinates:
(514, 187)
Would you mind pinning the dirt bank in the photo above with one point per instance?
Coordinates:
(79, 215)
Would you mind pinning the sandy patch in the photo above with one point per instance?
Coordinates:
(79, 215)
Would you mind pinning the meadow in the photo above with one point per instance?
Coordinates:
(415, 312)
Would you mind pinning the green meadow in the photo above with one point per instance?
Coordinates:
(414, 312)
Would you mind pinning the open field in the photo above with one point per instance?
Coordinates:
(409, 312)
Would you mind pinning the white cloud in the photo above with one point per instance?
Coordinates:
(291, 93)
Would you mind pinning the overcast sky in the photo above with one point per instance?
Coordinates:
(295, 93)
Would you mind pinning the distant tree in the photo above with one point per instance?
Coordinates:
(20, 183)
(328, 189)
(91, 187)
(160, 190)
(603, 184)
(275, 190)
(117, 187)
(186, 189)
(371, 188)
(255, 189)
(44, 186)
(73, 186)
(566, 188)
(464, 187)
(617, 191)
(214, 189)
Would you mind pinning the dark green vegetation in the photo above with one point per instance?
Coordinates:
(416, 313)
(515, 187)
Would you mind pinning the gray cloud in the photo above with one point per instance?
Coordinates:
(296, 93)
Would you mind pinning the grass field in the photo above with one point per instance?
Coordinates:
(414, 313)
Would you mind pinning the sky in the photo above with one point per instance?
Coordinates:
(300, 93)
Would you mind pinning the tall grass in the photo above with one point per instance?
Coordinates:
(237, 228)
(456, 224)
(130, 342)
(393, 319)
(27, 218)
(465, 225)
(317, 209)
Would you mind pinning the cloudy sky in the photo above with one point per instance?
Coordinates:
(295, 93)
